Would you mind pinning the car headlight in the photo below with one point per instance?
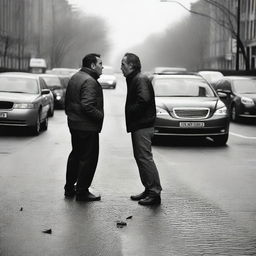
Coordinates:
(161, 111)
(247, 101)
(24, 105)
(221, 109)
(221, 112)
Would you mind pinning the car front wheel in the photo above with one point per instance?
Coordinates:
(44, 125)
(35, 129)
(51, 111)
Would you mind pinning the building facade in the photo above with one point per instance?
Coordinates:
(221, 49)
(28, 29)
(12, 28)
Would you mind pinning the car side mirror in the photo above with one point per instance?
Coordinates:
(228, 92)
(45, 91)
(222, 95)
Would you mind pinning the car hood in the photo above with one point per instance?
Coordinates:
(168, 103)
(106, 77)
(17, 97)
(248, 95)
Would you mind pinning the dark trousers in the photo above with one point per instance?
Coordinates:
(82, 160)
(141, 142)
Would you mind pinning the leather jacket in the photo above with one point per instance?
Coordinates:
(140, 108)
(84, 101)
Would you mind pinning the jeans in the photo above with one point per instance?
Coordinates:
(141, 142)
(82, 160)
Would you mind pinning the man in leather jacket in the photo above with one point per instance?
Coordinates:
(140, 114)
(84, 110)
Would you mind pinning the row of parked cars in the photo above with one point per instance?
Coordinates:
(201, 104)
(25, 101)
(29, 99)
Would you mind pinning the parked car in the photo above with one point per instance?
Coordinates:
(62, 71)
(161, 70)
(211, 77)
(107, 79)
(187, 105)
(24, 101)
(54, 83)
(242, 96)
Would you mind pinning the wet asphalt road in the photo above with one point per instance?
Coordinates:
(208, 202)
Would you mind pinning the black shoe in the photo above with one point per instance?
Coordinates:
(150, 200)
(70, 191)
(87, 197)
(69, 194)
(140, 196)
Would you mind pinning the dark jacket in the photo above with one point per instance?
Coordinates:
(140, 107)
(84, 101)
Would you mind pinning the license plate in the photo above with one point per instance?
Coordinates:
(191, 124)
(3, 115)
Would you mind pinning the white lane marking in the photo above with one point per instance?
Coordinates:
(242, 136)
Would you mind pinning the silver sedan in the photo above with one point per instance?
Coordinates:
(24, 101)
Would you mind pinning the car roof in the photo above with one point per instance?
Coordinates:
(239, 77)
(48, 75)
(209, 72)
(160, 70)
(19, 74)
(178, 75)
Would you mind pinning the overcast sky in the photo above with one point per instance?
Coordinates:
(131, 21)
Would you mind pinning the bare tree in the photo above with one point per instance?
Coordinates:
(228, 20)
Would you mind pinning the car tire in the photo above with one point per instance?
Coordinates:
(234, 115)
(44, 125)
(51, 111)
(35, 129)
(220, 140)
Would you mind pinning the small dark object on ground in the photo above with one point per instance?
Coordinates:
(47, 231)
(121, 224)
(128, 218)
(21, 209)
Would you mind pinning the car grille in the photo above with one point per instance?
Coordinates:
(6, 105)
(191, 113)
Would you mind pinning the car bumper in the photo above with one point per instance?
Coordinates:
(211, 127)
(19, 117)
(247, 111)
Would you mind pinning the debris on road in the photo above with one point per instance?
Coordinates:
(21, 209)
(130, 217)
(121, 224)
(47, 231)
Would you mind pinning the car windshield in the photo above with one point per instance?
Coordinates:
(182, 87)
(245, 86)
(19, 85)
(52, 82)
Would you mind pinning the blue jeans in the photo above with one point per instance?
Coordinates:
(141, 142)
